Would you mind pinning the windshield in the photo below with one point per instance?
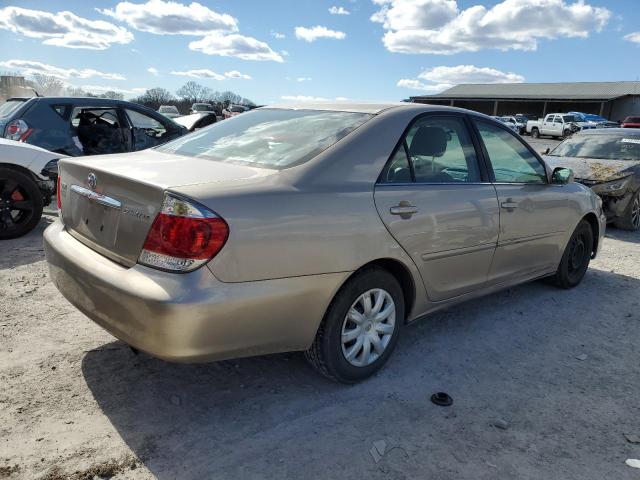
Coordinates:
(603, 147)
(633, 119)
(8, 107)
(168, 109)
(270, 138)
(202, 107)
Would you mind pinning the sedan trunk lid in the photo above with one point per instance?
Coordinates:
(110, 202)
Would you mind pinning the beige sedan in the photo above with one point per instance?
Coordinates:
(323, 228)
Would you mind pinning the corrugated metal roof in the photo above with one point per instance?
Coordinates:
(542, 91)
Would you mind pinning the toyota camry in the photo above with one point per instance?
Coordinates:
(323, 228)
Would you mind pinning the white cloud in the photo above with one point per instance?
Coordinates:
(237, 74)
(153, 71)
(199, 73)
(314, 33)
(206, 73)
(423, 87)
(172, 18)
(441, 27)
(29, 67)
(235, 45)
(338, 11)
(278, 35)
(63, 29)
(633, 37)
(441, 78)
(303, 79)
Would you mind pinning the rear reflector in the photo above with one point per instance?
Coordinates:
(58, 197)
(183, 237)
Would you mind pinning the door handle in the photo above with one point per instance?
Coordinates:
(404, 209)
(509, 204)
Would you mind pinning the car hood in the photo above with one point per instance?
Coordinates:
(593, 169)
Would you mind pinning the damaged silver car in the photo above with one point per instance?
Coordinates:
(608, 161)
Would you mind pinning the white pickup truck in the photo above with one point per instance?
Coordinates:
(554, 125)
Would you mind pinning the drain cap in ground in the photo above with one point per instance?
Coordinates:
(442, 399)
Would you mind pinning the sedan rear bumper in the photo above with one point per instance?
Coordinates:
(188, 317)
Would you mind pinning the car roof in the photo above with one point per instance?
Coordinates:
(94, 100)
(608, 131)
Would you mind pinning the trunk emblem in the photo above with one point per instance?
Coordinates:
(92, 180)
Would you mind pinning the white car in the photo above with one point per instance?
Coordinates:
(28, 176)
(512, 125)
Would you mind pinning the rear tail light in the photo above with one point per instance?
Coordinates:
(184, 236)
(17, 130)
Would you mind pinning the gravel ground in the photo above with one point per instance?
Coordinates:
(545, 385)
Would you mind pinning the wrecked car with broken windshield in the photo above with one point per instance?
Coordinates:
(85, 126)
(608, 161)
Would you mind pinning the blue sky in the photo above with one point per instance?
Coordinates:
(380, 50)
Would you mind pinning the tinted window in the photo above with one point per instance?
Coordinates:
(441, 151)
(512, 162)
(397, 170)
(603, 147)
(271, 138)
(570, 118)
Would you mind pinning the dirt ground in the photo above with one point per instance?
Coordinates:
(545, 385)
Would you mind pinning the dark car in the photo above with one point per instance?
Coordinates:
(608, 161)
(85, 126)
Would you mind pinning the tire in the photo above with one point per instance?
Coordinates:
(566, 134)
(631, 218)
(576, 257)
(535, 133)
(334, 359)
(21, 203)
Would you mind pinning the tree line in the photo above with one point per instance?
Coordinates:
(190, 93)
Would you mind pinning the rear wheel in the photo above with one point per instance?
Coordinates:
(360, 328)
(535, 133)
(576, 257)
(631, 218)
(20, 204)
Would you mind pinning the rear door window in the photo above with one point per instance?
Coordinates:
(147, 131)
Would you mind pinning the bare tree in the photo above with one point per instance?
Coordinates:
(154, 97)
(194, 92)
(48, 85)
(112, 95)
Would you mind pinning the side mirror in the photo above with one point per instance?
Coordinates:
(562, 176)
(546, 151)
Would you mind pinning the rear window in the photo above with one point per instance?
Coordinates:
(270, 138)
(10, 106)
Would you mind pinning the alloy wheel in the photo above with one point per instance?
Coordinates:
(16, 208)
(368, 327)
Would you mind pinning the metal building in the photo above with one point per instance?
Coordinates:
(613, 100)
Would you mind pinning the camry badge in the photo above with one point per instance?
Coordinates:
(92, 180)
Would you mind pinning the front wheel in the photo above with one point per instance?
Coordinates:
(535, 133)
(576, 257)
(360, 328)
(630, 220)
(21, 204)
